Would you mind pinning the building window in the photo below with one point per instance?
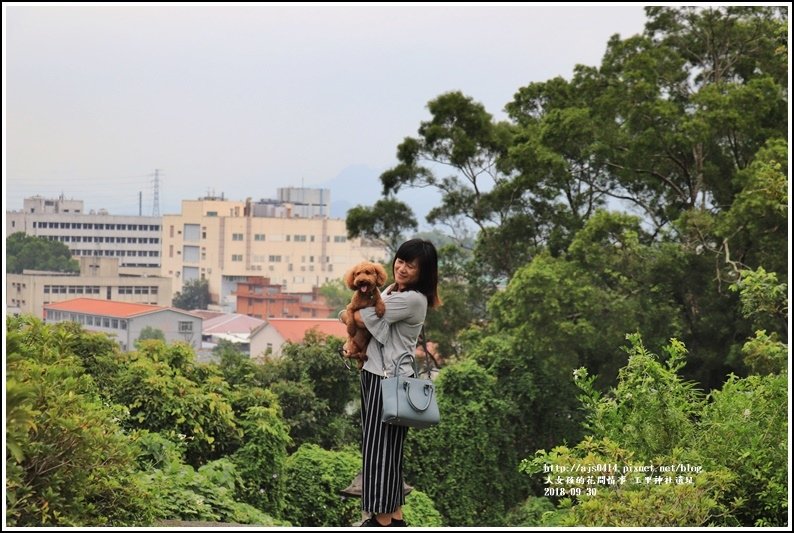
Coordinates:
(237, 258)
(185, 327)
(237, 236)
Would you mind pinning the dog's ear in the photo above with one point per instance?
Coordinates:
(349, 275)
(381, 276)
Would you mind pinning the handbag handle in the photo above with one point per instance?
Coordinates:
(407, 387)
(400, 363)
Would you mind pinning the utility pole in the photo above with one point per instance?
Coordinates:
(156, 200)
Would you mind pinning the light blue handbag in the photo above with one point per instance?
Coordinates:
(409, 401)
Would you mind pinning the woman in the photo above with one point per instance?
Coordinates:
(415, 288)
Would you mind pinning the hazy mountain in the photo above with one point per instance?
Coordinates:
(360, 185)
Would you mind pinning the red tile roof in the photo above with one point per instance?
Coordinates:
(93, 306)
(294, 329)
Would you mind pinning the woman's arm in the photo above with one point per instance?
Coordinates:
(409, 306)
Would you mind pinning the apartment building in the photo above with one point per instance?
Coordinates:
(259, 298)
(225, 242)
(99, 277)
(134, 240)
(125, 321)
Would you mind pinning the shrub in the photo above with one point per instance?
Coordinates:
(70, 463)
(260, 461)
(314, 478)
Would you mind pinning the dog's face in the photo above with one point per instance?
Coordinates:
(365, 277)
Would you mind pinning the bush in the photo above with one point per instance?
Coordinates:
(260, 461)
(419, 511)
(718, 461)
(744, 429)
(314, 478)
(69, 464)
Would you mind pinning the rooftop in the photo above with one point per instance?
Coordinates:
(94, 306)
(294, 329)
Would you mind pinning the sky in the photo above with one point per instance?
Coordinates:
(240, 100)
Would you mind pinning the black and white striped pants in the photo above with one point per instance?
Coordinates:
(382, 450)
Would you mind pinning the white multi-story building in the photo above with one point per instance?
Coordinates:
(134, 240)
(225, 241)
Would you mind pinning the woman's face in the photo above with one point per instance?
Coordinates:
(406, 273)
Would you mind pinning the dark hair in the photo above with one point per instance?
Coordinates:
(427, 257)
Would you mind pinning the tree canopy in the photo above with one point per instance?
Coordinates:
(26, 252)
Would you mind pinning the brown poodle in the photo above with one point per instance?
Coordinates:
(364, 278)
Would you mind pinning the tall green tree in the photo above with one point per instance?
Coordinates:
(386, 222)
(25, 252)
(462, 136)
(195, 294)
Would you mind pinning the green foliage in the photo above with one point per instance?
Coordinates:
(69, 462)
(260, 460)
(156, 388)
(316, 392)
(182, 493)
(466, 464)
(195, 294)
(25, 252)
(718, 461)
(385, 222)
(765, 354)
(530, 513)
(151, 333)
(649, 395)
(336, 295)
(764, 300)
(744, 429)
(419, 511)
(314, 478)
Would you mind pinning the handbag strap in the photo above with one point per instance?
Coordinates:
(400, 363)
(427, 389)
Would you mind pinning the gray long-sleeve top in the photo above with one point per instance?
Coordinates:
(397, 331)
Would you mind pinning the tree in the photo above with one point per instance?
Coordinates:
(463, 136)
(68, 461)
(195, 294)
(25, 252)
(385, 222)
(732, 443)
(467, 463)
(336, 295)
(315, 390)
(151, 333)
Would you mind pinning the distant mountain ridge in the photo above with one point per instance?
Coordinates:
(360, 185)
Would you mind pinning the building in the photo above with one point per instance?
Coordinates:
(99, 278)
(269, 338)
(225, 242)
(125, 321)
(259, 298)
(134, 240)
(234, 328)
(295, 202)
